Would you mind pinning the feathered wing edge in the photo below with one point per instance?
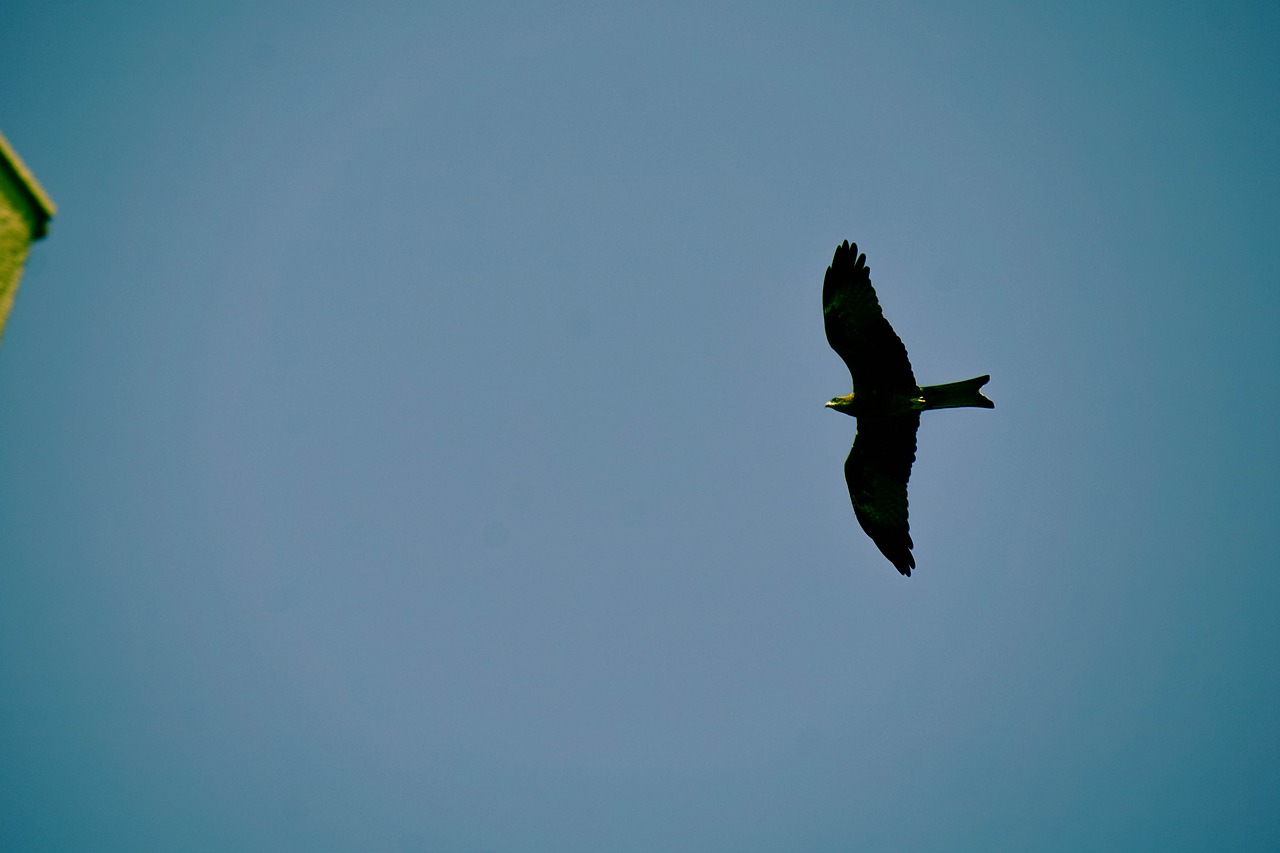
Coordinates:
(857, 329)
(876, 471)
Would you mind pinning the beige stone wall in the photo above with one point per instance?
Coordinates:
(16, 228)
(24, 215)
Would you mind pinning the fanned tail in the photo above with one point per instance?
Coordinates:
(955, 395)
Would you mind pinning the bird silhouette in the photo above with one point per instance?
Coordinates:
(886, 401)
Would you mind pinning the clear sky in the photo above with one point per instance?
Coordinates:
(411, 431)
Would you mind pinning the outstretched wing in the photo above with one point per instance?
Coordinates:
(857, 329)
(877, 471)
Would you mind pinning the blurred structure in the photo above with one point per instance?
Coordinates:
(25, 212)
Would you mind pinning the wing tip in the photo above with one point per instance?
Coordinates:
(852, 250)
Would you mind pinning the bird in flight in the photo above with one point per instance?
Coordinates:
(886, 401)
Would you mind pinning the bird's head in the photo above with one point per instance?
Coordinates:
(842, 404)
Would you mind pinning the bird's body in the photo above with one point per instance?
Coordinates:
(886, 401)
(870, 404)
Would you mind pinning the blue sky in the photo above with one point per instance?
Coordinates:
(411, 430)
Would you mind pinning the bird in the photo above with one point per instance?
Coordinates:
(886, 401)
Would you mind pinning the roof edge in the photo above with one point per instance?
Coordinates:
(42, 205)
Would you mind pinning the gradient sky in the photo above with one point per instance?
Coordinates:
(411, 431)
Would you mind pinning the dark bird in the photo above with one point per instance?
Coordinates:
(886, 401)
